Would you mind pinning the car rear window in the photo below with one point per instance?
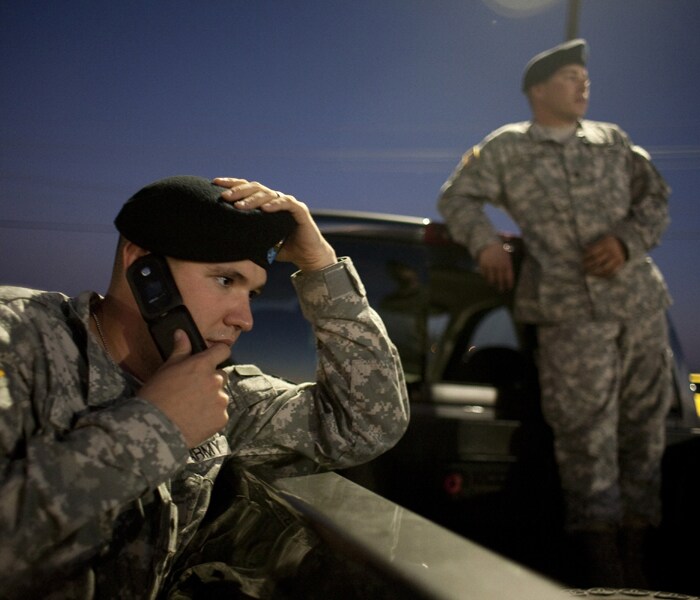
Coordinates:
(395, 279)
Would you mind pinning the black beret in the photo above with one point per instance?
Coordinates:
(185, 217)
(542, 66)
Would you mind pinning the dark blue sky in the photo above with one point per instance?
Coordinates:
(353, 104)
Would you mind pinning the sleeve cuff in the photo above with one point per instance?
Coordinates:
(630, 240)
(337, 284)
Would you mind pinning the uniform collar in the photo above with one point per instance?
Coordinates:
(106, 380)
(586, 131)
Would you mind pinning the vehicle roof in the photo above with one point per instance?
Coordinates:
(390, 226)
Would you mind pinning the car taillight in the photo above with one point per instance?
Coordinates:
(436, 234)
(453, 484)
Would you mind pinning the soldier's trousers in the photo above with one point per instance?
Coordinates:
(606, 390)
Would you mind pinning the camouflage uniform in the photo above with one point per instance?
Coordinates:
(604, 357)
(99, 490)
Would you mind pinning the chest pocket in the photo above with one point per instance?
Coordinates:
(605, 182)
(535, 186)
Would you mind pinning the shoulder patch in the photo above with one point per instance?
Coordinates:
(469, 156)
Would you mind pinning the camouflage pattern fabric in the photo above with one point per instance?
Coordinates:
(604, 364)
(100, 493)
(609, 428)
(251, 545)
(563, 197)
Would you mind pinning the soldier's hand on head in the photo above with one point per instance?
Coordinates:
(496, 265)
(189, 390)
(604, 257)
(305, 247)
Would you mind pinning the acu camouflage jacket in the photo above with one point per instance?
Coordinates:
(99, 492)
(563, 197)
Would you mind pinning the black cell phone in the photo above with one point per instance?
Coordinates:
(160, 303)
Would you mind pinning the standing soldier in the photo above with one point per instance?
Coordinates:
(590, 205)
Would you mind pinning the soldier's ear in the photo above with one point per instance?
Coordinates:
(129, 253)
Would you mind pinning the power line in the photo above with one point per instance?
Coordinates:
(49, 226)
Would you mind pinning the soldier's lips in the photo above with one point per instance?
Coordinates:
(228, 341)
